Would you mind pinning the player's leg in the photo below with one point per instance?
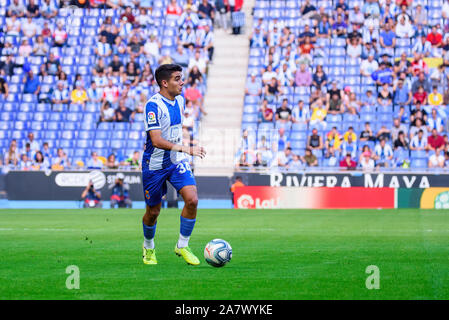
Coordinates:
(188, 215)
(182, 179)
(149, 222)
(154, 187)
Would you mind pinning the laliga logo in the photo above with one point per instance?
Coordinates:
(245, 201)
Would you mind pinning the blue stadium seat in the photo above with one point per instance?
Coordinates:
(86, 134)
(418, 154)
(4, 125)
(418, 163)
(122, 126)
(63, 143)
(87, 126)
(68, 134)
(80, 153)
(4, 134)
(37, 125)
(119, 135)
(54, 125)
(135, 145)
(83, 144)
(117, 144)
(103, 135)
(21, 125)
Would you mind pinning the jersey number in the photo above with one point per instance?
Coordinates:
(183, 167)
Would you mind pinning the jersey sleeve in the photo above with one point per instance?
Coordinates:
(152, 116)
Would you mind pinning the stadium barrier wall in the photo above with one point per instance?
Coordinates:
(313, 190)
(347, 179)
(431, 198)
(255, 197)
(68, 185)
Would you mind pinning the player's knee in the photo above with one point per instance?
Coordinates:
(192, 202)
(152, 214)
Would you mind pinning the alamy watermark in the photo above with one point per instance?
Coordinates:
(373, 280)
(73, 280)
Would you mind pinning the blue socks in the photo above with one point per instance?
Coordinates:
(148, 234)
(185, 231)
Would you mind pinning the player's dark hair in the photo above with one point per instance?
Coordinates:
(165, 71)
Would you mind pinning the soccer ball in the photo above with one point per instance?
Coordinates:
(217, 253)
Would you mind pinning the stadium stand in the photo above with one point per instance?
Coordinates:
(75, 76)
(328, 79)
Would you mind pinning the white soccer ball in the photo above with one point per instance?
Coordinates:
(218, 252)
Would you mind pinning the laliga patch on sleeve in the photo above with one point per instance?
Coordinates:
(151, 117)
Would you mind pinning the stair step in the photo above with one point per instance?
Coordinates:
(220, 130)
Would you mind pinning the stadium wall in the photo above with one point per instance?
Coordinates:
(347, 179)
(263, 197)
(337, 190)
(68, 185)
(276, 190)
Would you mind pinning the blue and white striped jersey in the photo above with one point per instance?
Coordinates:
(165, 115)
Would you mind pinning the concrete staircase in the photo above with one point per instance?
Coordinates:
(220, 130)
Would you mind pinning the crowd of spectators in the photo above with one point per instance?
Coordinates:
(393, 112)
(127, 48)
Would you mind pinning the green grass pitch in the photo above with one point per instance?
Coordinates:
(277, 254)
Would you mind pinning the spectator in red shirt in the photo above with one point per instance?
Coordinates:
(419, 65)
(435, 38)
(400, 3)
(420, 96)
(348, 163)
(193, 93)
(129, 15)
(435, 142)
(265, 113)
(173, 8)
(306, 46)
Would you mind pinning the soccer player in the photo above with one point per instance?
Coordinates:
(164, 159)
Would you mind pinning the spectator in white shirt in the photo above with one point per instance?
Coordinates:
(435, 122)
(48, 9)
(383, 154)
(59, 35)
(198, 61)
(34, 145)
(268, 75)
(366, 163)
(436, 160)
(404, 29)
(94, 162)
(368, 66)
(103, 48)
(300, 113)
(419, 141)
(13, 26)
(253, 86)
(106, 112)
(16, 8)
(152, 48)
(29, 27)
(445, 10)
(422, 46)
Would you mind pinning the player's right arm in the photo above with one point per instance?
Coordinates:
(159, 142)
(152, 124)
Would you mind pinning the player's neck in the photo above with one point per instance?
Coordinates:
(166, 95)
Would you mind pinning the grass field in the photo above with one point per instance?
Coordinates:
(279, 254)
